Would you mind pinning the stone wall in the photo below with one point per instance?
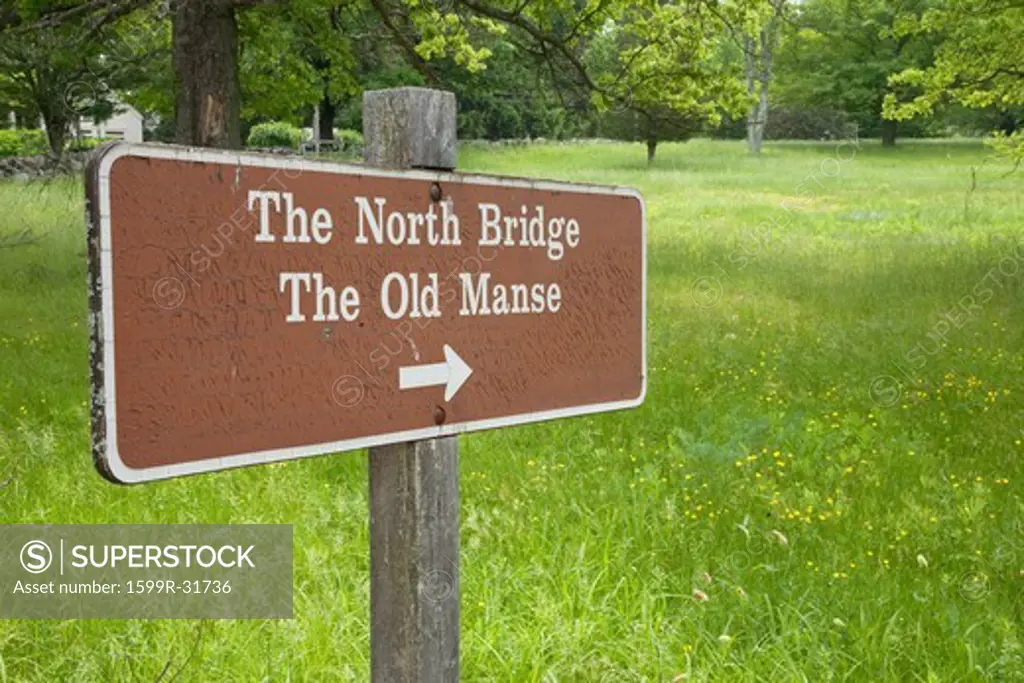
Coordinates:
(74, 162)
(42, 166)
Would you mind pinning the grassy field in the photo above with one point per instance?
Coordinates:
(824, 482)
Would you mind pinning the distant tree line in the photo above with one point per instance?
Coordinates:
(644, 70)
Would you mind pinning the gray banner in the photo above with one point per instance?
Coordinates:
(146, 571)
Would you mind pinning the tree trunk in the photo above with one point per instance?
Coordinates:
(327, 110)
(56, 121)
(759, 118)
(889, 133)
(759, 74)
(749, 72)
(758, 56)
(207, 106)
(652, 145)
(1008, 123)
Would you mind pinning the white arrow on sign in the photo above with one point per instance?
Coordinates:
(452, 373)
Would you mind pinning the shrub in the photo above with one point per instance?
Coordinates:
(85, 144)
(804, 123)
(730, 128)
(22, 143)
(275, 134)
(351, 141)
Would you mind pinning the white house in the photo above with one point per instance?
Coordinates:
(125, 124)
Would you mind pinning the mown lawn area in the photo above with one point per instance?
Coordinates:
(824, 482)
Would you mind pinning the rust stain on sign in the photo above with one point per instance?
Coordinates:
(249, 309)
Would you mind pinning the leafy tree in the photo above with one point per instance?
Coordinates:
(666, 65)
(65, 38)
(839, 54)
(282, 71)
(367, 62)
(514, 97)
(754, 29)
(56, 72)
(653, 125)
(524, 70)
(310, 55)
(759, 45)
(277, 81)
(319, 51)
(661, 72)
(979, 64)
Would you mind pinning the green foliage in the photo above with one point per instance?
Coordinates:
(63, 70)
(663, 61)
(978, 58)
(143, 55)
(536, 70)
(838, 55)
(277, 78)
(808, 123)
(666, 62)
(513, 98)
(278, 81)
(85, 144)
(22, 142)
(276, 134)
(443, 32)
(663, 69)
(651, 126)
(379, 67)
(350, 139)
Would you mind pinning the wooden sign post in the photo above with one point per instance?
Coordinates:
(414, 486)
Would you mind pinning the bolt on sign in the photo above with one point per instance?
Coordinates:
(250, 309)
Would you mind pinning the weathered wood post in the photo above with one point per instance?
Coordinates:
(414, 487)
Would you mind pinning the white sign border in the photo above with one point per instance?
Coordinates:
(105, 449)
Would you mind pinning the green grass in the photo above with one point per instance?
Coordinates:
(814, 490)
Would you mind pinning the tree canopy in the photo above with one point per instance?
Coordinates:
(647, 70)
(979, 63)
(840, 54)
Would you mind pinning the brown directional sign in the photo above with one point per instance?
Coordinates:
(249, 309)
